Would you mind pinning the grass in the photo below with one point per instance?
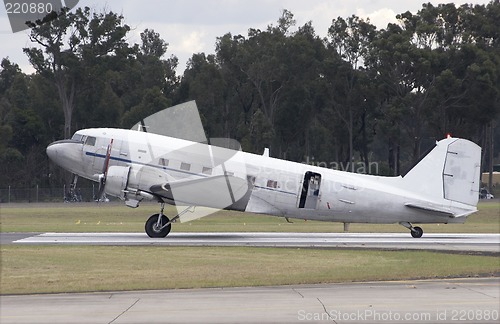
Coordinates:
(90, 217)
(52, 269)
(48, 269)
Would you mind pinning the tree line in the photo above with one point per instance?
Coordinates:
(360, 94)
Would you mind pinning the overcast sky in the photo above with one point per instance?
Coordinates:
(192, 26)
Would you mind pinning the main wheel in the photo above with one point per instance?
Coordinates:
(417, 232)
(152, 228)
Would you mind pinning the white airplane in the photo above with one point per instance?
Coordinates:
(443, 187)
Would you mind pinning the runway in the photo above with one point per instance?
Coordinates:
(433, 241)
(419, 301)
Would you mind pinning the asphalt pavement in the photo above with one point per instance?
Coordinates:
(419, 301)
(488, 243)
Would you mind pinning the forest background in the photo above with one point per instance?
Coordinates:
(358, 96)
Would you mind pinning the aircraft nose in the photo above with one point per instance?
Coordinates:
(52, 149)
(66, 154)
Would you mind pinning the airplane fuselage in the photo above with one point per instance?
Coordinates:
(275, 187)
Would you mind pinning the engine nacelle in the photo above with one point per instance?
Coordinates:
(125, 183)
(117, 181)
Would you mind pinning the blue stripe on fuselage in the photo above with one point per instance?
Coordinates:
(102, 156)
(142, 163)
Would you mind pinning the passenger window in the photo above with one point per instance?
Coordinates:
(207, 170)
(90, 141)
(272, 183)
(185, 166)
(163, 162)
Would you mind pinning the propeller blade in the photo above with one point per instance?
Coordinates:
(102, 177)
(108, 156)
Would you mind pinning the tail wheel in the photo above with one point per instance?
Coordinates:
(154, 230)
(417, 232)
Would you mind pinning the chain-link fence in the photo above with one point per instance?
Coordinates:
(40, 194)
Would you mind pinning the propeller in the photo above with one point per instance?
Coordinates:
(104, 174)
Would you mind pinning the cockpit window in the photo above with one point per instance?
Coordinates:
(77, 137)
(90, 140)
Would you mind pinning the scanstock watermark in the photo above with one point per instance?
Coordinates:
(387, 316)
(24, 13)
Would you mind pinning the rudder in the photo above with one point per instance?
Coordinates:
(451, 170)
(461, 173)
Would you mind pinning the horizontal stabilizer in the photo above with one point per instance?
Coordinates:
(439, 210)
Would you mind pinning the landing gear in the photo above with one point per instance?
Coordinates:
(158, 225)
(416, 232)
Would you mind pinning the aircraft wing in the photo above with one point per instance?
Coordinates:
(215, 192)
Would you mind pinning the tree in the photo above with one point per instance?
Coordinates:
(152, 101)
(10, 157)
(204, 83)
(297, 118)
(156, 70)
(350, 41)
(240, 97)
(70, 47)
(258, 60)
(110, 108)
(7, 74)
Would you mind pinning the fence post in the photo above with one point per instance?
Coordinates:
(37, 193)
(9, 194)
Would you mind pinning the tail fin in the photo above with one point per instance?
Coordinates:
(451, 170)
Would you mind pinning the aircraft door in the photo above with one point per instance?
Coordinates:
(100, 151)
(310, 191)
(88, 151)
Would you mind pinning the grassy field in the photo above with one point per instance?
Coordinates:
(91, 217)
(45, 269)
(49, 269)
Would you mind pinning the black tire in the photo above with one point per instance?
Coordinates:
(417, 232)
(151, 229)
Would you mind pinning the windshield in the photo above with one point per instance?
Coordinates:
(77, 137)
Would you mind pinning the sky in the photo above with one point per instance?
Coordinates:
(192, 26)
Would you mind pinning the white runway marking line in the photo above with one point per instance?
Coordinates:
(447, 241)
